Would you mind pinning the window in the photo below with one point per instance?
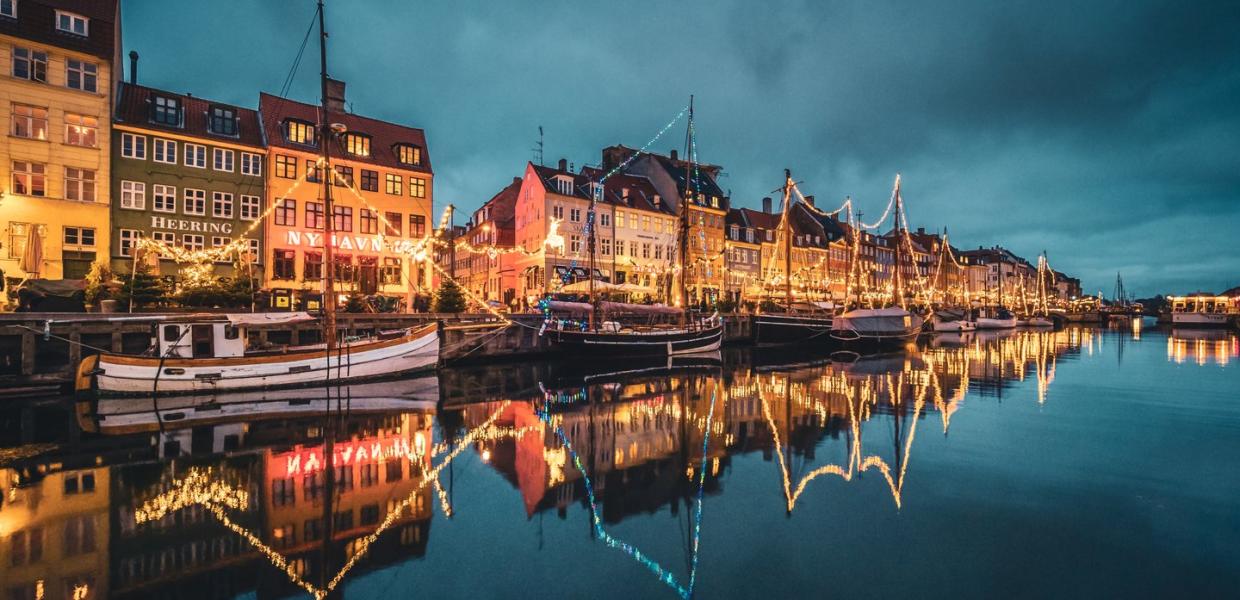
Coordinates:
(223, 120)
(370, 180)
(221, 205)
(344, 268)
(81, 75)
(29, 122)
(79, 184)
(408, 154)
(557, 212)
(342, 218)
(574, 215)
(283, 492)
(29, 178)
(133, 146)
(417, 226)
(391, 270)
(605, 220)
(79, 236)
(26, 546)
(193, 241)
(314, 215)
(283, 266)
(417, 187)
(223, 160)
(574, 243)
(645, 222)
(164, 151)
(286, 212)
(196, 156)
(357, 144)
(658, 252)
(286, 167)
(393, 184)
(128, 238)
(218, 241)
(195, 202)
(619, 219)
(344, 176)
(299, 132)
(81, 130)
(72, 23)
(369, 222)
(251, 164)
(606, 247)
(251, 207)
(314, 266)
(619, 247)
(392, 224)
(313, 528)
(29, 64)
(166, 238)
(8, 8)
(166, 110)
(314, 172)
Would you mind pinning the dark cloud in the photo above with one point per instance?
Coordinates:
(1106, 133)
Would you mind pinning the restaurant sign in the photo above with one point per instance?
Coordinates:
(310, 460)
(364, 243)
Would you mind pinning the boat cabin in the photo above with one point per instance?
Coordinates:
(214, 336)
(1204, 304)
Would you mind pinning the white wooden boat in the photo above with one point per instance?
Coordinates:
(1203, 310)
(881, 326)
(951, 322)
(1200, 319)
(206, 354)
(1038, 322)
(997, 319)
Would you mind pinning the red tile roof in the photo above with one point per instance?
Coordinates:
(37, 21)
(641, 191)
(133, 108)
(384, 136)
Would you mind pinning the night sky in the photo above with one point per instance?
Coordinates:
(1106, 133)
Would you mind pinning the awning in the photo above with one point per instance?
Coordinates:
(639, 309)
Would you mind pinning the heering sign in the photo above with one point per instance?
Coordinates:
(187, 225)
(347, 242)
(310, 460)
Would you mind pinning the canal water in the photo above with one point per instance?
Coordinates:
(1077, 463)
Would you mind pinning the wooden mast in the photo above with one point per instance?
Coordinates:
(596, 190)
(684, 219)
(899, 274)
(329, 264)
(787, 206)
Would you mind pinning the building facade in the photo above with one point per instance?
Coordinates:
(186, 172)
(552, 208)
(61, 66)
(743, 259)
(382, 204)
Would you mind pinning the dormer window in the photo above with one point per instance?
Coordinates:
(222, 120)
(8, 8)
(735, 232)
(564, 185)
(72, 23)
(299, 132)
(357, 144)
(749, 235)
(408, 154)
(166, 110)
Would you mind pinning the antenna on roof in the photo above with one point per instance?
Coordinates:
(538, 147)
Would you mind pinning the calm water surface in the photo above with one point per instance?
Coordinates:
(1078, 463)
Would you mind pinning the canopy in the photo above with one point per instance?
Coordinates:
(568, 307)
(640, 309)
(269, 318)
(584, 286)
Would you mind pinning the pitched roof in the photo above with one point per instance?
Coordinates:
(384, 136)
(547, 174)
(133, 104)
(37, 21)
(640, 191)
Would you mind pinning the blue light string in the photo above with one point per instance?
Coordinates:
(662, 574)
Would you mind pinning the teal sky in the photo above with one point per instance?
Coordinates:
(1106, 133)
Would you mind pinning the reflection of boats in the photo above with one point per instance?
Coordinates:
(1201, 345)
(573, 372)
(1203, 310)
(951, 340)
(135, 414)
(206, 354)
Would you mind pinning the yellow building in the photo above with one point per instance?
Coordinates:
(56, 109)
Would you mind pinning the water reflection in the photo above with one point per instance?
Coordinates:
(277, 495)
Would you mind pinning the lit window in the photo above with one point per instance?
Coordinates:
(286, 166)
(72, 23)
(417, 187)
(357, 144)
(79, 184)
(29, 122)
(369, 181)
(196, 156)
(29, 178)
(164, 151)
(166, 111)
(29, 64)
(393, 184)
(344, 176)
(286, 212)
(81, 130)
(223, 120)
(299, 132)
(251, 164)
(81, 75)
(409, 154)
(164, 198)
(133, 195)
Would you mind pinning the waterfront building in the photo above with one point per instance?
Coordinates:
(382, 203)
(1007, 275)
(187, 172)
(551, 211)
(62, 61)
(642, 228)
(810, 243)
(484, 262)
(673, 178)
(743, 259)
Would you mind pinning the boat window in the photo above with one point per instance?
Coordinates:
(171, 333)
(231, 332)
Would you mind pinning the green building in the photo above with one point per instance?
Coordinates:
(187, 172)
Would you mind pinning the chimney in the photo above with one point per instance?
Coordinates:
(673, 154)
(335, 95)
(766, 205)
(516, 180)
(921, 231)
(809, 200)
(563, 164)
(133, 67)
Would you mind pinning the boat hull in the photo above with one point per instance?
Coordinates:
(1193, 319)
(952, 326)
(1039, 323)
(659, 343)
(876, 329)
(986, 323)
(777, 329)
(112, 374)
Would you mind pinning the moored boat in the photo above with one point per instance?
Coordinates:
(1203, 310)
(951, 322)
(877, 326)
(999, 318)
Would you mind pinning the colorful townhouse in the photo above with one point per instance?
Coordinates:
(61, 62)
(640, 251)
(484, 262)
(743, 259)
(186, 172)
(382, 203)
